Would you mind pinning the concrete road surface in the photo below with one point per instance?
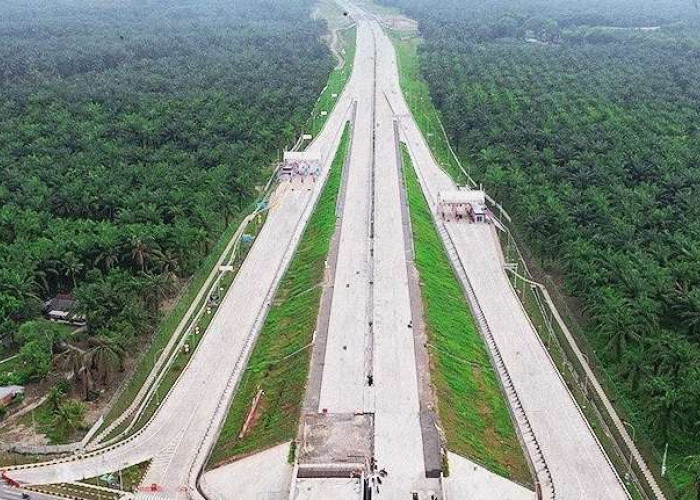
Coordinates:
(370, 331)
(348, 348)
(579, 466)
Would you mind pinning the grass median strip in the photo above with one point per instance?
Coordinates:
(279, 362)
(471, 405)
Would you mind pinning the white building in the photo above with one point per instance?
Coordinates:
(300, 164)
(463, 205)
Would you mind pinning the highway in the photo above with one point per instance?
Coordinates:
(370, 324)
(370, 333)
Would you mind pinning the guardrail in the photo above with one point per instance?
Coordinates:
(538, 464)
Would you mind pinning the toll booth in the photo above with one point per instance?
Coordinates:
(300, 165)
(463, 205)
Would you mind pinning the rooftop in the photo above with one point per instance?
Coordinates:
(463, 196)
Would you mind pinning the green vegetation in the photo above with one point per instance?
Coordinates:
(417, 94)
(472, 408)
(168, 326)
(126, 479)
(336, 82)
(582, 118)
(182, 357)
(131, 136)
(76, 490)
(345, 46)
(38, 339)
(60, 419)
(280, 359)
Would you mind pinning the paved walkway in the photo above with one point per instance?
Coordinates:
(264, 475)
(469, 481)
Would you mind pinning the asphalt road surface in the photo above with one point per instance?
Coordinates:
(10, 493)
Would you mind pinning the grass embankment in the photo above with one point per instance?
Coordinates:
(279, 362)
(471, 404)
(346, 44)
(417, 94)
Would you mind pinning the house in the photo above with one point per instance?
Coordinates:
(63, 307)
(9, 393)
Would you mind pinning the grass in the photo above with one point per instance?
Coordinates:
(74, 490)
(417, 94)
(336, 81)
(11, 366)
(126, 480)
(471, 405)
(280, 359)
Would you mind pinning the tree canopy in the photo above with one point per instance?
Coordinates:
(131, 134)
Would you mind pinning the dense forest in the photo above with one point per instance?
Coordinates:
(131, 134)
(583, 118)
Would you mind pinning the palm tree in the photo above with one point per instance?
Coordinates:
(665, 404)
(20, 285)
(68, 416)
(55, 398)
(169, 263)
(688, 308)
(141, 253)
(156, 288)
(72, 267)
(107, 258)
(78, 361)
(634, 366)
(106, 357)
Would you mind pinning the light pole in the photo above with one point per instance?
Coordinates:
(634, 434)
